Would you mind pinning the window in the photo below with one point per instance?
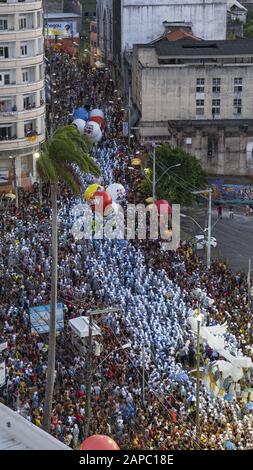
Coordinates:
(200, 85)
(23, 49)
(6, 79)
(200, 104)
(3, 24)
(4, 52)
(5, 132)
(237, 85)
(22, 23)
(25, 76)
(237, 106)
(216, 85)
(216, 107)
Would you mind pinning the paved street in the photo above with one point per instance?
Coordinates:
(234, 237)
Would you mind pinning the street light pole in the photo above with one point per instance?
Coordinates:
(90, 367)
(209, 229)
(154, 173)
(129, 116)
(143, 377)
(88, 382)
(13, 160)
(198, 374)
(248, 279)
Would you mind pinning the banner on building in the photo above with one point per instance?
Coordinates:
(67, 29)
(40, 318)
(125, 129)
(2, 374)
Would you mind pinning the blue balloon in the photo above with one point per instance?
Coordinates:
(81, 113)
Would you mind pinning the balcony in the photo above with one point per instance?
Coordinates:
(17, 144)
(30, 113)
(14, 89)
(14, 6)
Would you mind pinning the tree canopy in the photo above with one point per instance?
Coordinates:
(64, 148)
(174, 185)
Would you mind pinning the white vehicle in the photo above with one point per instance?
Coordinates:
(200, 242)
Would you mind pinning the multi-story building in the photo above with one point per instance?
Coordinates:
(88, 15)
(198, 95)
(93, 43)
(122, 23)
(22, 101)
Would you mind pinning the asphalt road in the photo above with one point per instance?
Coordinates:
(234, 237)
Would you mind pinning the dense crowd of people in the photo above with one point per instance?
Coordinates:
(143, 396)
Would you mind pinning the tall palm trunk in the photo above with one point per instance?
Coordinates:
(52, 331)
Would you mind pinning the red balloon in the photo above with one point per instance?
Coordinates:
(98, 442)
(100, 200)
(163, 207)
(99, 120)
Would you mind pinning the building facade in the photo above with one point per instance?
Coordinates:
(22, 100)
(198, 95)
(122, 23)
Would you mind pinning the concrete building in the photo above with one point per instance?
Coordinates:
(93, 43)
(198, 95)
(122, 23)
(53, 6)
(248, 4)
(22, 101)
(88, 15)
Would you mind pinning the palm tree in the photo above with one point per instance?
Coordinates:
(64, 148)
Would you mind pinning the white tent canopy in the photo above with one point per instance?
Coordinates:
(80, 326)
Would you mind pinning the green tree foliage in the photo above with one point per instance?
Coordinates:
(176, 184)
(65, 148)
(248, 28)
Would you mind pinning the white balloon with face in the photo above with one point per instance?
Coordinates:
(93, 131)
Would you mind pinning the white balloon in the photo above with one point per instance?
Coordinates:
(97, 112)
(111, 210)
(80, 124)
(93, 131)
(116, 191)
(97, 139)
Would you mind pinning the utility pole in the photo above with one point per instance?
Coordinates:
(90, 366)
(154, 173)
(13, 160)
(129, 116)
(198, 373)
(143, 377)
(88, 382)
(209, 228)
(249, 280)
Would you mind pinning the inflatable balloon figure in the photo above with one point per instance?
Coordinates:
(91, 190)
(81, 113)
(99, 442)
(93, 131)
(99, 201)
(117, 192)
(80, 124)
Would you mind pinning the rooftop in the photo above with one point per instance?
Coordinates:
(191, 48)
(16, 433)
